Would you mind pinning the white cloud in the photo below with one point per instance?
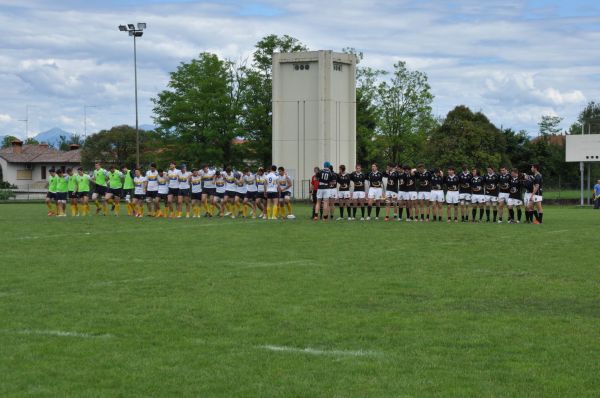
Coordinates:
(4, 117)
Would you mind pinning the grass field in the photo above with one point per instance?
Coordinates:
(106, 306)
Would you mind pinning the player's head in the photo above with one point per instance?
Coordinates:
(465, 167)
(437, 172)
(59, 172)
(535, 168)
(374, 167)
(490, 169)
(281, 170)
(138, 172)
(273, 168)
(315, 170)
(195, 171)
(112, 167)
(406, 168)
(52, 171)
(342, 168)
(98, 165)
(451, 170)
(153, 166)
(69, 171)
(503, 170)
(326, 165)
(172, 165)
(160, 172)
(331, 167)
(421, 167)
(359, 168)
(247, 170)
(80, 170)
(514, 173)
(260, 171)
(474, 171)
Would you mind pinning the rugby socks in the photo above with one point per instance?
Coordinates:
(377, 209)
(105, 208)
(369, 210)
(400, 211)
(289, 208)
(49, 204)
(480, 214)
(342, 212)
(511, 215)
(474, 213)
(519, 214)
(117, 208)
(496, 215)
(130, 209)
(540, 217)
(487, 214)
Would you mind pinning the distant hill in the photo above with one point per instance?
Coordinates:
(52, 136)
(147, 127)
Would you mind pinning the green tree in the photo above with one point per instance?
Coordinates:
(466, 137)
(588, 120)
(404, 113)
(198, 113)
(116, 146)
(550, 125)
(64, 143)
(31, 141)
(7, 141)
(255, 84)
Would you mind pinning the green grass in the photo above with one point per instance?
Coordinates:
(565, 194)
(186, 307)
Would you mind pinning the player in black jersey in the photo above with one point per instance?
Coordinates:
(410, 183)
(424, 193)
(375, 178)
(391, 190)
(464, 192)
(343, 180)
(503, 191)
(358, 194)
(402, 192)
(490, 181)
(332, 192)
(527, 183)
(436, 197)
(514, 197)
(324, 176)
(452, 183)
(477, 195)
(535, 199)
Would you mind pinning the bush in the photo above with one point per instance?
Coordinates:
(6, 194)
(6, 185)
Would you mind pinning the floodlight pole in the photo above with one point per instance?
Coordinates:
(137, 131)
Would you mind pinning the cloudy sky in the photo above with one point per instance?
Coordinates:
(513, 60)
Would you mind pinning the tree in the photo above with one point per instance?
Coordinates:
(198, 113)
(467, 137)
(550, 125)
(404, 115)
(31, 141)
(117, 146)
(7, 141)
(255, 84)
(64, 143)
(588, 120)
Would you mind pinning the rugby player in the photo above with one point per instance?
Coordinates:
(127, 193)
(115, 185)
(163, 194)
(51, 195)
(391, 190)
(261, 192)
(62, 182)
(272, 193)
(358, 179)
(152, 191)
(196, 182)
(411, 196)
(230, 190)
(490, 181)
(72, 187)
(173, 177)
(251, 198)
(477, 194)
(375, 178)
(324, 176)
(464, 192)
(332, 192)
(241, 207)
(83, 191)
(452, 182)
(284, 186)
(208, 190)
(140, 184)
(424, 193)
(436, 196)
(183, 193)
(535, 200)
(503, 191)
(99, 178)
(218, 197)
(343, 180)
(514, 197)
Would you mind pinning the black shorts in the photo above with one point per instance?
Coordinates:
(184, 192)
(163, 196)
(61, 196)
(272, 195)
(220, 195)
(151, 194)
(284, 194)
(139, 197)
(250, 195)
(196, 195)
(100, 190)
(51, 195)
(115, 191)
(72, 195)
(209, 191)
(126, 192)
(83, 194)
(174, 191)
(230, 194)
(240, 195)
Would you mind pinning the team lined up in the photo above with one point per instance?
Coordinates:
(423, 192)
(218, 192)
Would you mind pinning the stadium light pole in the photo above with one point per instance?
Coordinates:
(85, 108)
(135, 31)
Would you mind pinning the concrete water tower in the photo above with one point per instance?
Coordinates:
(314, 113)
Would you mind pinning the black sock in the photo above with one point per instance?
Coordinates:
(407, 213)
(321, 212)
(362, 211)
(354, 209)
(511, 214)
(480, 214)
(474, 213)
(519, 214)
(377, 208)
(535, 214)
(540, 217)
(369, 210)
(342, 211)
(400, 211)
(495, 215)
(487, 214)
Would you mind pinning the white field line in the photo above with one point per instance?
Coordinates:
(127, 230)
(60, 333)
(315, 351)
(107, 283)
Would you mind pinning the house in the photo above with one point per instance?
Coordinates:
(27, 166)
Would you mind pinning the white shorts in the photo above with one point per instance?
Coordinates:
(503, 197)
(333, 193)
(514, 202)
(323, 193)
(391, 195)
(403, 195)
(436, 196)
(358, 195)
(464, 197)
(423, 195)
(452, 197)
(477, 198)
(526, 197)
(412, 195)
(491, 199)
(344, 194)
(375, 193)
(537, 198)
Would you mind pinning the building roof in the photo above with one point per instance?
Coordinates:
(40, 154)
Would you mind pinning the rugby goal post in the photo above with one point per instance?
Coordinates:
(583, 149)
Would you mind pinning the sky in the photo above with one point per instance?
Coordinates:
(513, 60)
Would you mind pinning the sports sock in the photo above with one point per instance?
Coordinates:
(400, 211)
(369, 210)
(341, 212)
(288, 205)
(117, 208)
(519, 214)
(105, 208)
(474, 213)
(49, 204)
(362, 211)
(480, 214)
(495, 215)
(535, 214)
(540, 217)
(511, 214)
(487, 214)
(354, 210)
(269, 212)
(377, 209)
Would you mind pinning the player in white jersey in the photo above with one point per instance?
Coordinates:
(240, 194)
(183, 195)
(208, 189)
(261, 192)
(217, 199)
(196, 182)
(250, 198)
(272, 192)
(230, 190)
(152, 190)
(140, 184)
(284, 185)
(173, 176)
(163, 194)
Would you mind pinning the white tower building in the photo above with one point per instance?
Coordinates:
(314, 113)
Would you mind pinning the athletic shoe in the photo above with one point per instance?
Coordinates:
(339, 219)
(368, 218)
(291, 216)
(350, 218)
(376, 218)
(536, 222)
(362, 219)
(387, 219)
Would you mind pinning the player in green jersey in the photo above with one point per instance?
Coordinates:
(72, 187)
(61, 192)
(83, 191)
(99, 178)
(115, 187)
(51, 195)
(128, 187)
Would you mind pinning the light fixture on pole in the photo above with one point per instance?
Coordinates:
(135, 32)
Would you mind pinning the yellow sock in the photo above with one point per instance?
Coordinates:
(245, 210)
(275, 210)
(269, 212)
(289, 207)
(97, 202)
(141, 210)
(282, 211)
(49, 204)
(117, 208)
(105, 209)
(129, 208)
